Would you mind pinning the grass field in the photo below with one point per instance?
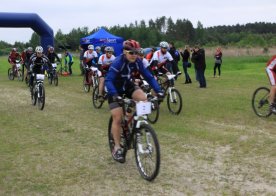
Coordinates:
(216, 146)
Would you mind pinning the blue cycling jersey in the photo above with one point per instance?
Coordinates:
(120, 74)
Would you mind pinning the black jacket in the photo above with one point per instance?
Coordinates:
(185, 55)
(198, 58)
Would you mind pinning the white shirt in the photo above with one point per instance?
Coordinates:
(91, 55)
(145, 63)
(104, 60)
(160, 57)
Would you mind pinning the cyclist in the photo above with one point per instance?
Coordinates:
(162, 60)
(118, 82)
(176, 57)
(104, 62)
(99, 52)
(27, 55)
(37, 60)
(89, 59)
(52, 56)
(13, 56)
(271, 73)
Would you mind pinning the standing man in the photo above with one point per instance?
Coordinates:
(198, 58)
(69, 61)
(176, 57)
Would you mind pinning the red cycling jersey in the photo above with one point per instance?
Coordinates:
(271, 70)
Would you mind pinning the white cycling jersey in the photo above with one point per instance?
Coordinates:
(160, 57)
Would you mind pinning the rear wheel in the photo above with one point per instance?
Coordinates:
(111, 139)
(55, 79)
(41, 97)
(10, 74)
(260, 102)
(147, 152)
(95, 98)
(86, 86)
(174, 101)
(50, 78)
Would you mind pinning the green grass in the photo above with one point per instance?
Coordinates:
(217, 145)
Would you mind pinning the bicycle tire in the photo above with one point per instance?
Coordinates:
(50, 79)
(33, 95)
(154, 115)
(261, 105)
(111, 142)
(86, 87)
(19, 75)
(95, 98)
(10, 74)
(147, 160)
(41, 97)
(173, 101)
(55, 80)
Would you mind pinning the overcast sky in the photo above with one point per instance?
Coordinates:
(69, 14)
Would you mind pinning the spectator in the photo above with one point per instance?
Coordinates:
(68, 61)
(186, 64)
(198, 58)
(218, 61)
(176, 57)
(81, 60)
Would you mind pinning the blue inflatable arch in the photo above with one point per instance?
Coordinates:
(31, 20)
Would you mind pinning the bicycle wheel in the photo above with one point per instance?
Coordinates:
(27, 79)
(147, 152)
(86, 87)
(10, 74)
(174, 101)
(154, 115)
(33, 95)
(95, 98)
(50, 78)
(111, 139)
(19, 75)
(56, 80)
(41, 97)
(260, 103)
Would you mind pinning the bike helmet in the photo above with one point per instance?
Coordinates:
(39, 49)
(98, 48)
(164, 44)
(109, 49)
(90, 47)
(51, 49)
(30, 49)
(14, 49)
(131, 44)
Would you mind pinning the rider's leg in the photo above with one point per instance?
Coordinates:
(116, 126)
(272, 94)
(139, 95)
(101, 86)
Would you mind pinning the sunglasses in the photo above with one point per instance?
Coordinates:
(132, 52)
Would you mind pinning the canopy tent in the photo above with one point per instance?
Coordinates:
(103, 38)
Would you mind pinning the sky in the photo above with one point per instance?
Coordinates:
(68, 14)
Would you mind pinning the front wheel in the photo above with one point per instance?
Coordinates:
(154, 115)
(147, 152)
(41, 97)
(174, 101)
(56, 80)
(260, 102)
(10, 74)
(33, 95)
(86, 86)
(19, 75)
(95, 98)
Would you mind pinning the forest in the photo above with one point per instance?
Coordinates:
(181, 32)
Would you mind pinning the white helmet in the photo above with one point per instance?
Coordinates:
(164, 44)
(109, 49)
(30, 49)
(39, 49)
(98, 48)
(90, 47)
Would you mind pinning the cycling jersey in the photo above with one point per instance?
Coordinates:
(36, 63)
(271, 70)
(104, 64)
(120, 75)
(90, 58)
(160, 57)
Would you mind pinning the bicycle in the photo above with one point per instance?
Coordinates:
(174, 98)
(15, 71)
(260, 102)
(93, 79)
(137, 134)
(95, 98)
(53, 76)
(38, 91)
